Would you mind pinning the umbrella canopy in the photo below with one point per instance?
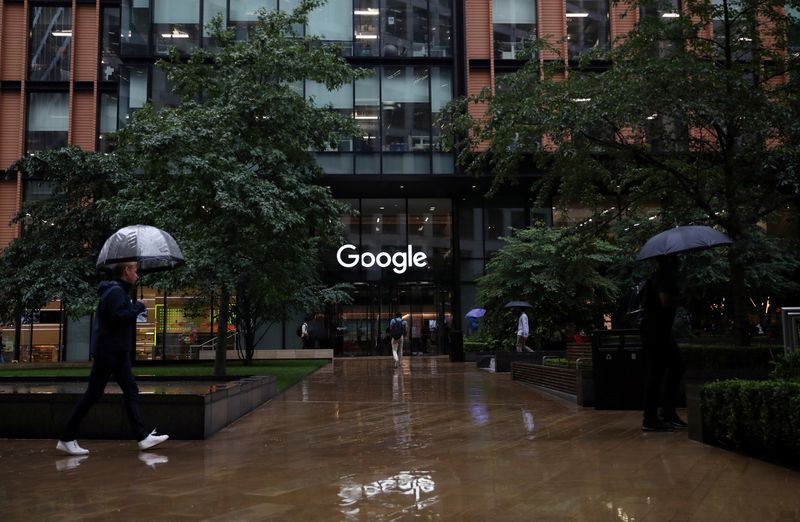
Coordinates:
(518, 304)
(476, 312)
(151, 247)
(682, 239)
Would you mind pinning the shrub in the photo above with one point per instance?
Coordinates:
(716, 357)
(761, 418)
(560, 362)
(786, 367)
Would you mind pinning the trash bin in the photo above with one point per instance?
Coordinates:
(619, 370)
(456, 346)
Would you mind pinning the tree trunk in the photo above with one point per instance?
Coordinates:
(222, 332)
(738, 303)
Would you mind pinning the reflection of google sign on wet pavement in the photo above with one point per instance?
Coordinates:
(348, 257)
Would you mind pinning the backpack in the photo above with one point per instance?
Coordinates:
(299, 331)
(637, 304)
(396, 329)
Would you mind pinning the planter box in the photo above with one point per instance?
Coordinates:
(182, 409)
(563, 380)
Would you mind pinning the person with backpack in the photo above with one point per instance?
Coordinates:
(663, 361)
(397, 331)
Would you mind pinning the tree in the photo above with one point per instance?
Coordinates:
(700, 127)
(229, 170)
(55, 256)
(558, 272)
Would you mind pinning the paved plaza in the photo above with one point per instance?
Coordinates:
(434, 440)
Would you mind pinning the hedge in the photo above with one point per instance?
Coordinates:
(760, 418)
(705, 356)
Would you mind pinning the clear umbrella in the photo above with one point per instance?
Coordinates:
(151, 247)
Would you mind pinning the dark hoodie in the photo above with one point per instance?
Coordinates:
(115, 319)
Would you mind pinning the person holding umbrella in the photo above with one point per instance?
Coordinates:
(113, 334)
(111, 345)
(662, 355)
(664, 364)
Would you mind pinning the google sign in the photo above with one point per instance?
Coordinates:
(348, 257)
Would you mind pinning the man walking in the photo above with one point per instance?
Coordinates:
(522, 332)
(111, 345)
(397, 330)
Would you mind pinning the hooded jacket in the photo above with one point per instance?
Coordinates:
(115, 320)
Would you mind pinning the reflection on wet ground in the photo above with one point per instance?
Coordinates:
(358, 440)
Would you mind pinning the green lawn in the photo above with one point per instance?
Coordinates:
(288, 372)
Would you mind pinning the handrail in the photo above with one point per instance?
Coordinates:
(211, 343)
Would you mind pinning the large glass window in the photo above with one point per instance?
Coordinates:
(383, 229)
(793, 30)
(430, 229)
(441, 28)
(212, 8)
(49, 43)
(406, 120)
(244, 14)
(132, 90)
(333, 22)
(109, 105)
(367, 116)
(514, 25)
(441, 94)
(336, 159)
(405, 28)
(176, 23)
(109, 54)
(587, 26)
(499, 222)
(366, 18)
(48, 121)
(161, 92)
(135, 19)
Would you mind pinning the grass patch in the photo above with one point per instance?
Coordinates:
(287, 372)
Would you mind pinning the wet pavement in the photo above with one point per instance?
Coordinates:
(359, 440)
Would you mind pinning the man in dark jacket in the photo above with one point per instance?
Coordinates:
(663, 357)
(111, 346)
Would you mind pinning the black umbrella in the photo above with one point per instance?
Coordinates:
(518, 304)
(151, 247)
(682, 239)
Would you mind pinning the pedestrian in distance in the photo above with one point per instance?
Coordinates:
(305, 335)
(522, 332)
(663, 361)
(112, 345)
(397, 331)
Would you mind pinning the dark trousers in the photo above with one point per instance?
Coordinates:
(104, 366)
(664, 373)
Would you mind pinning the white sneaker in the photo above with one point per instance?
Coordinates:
(152, 440)
(71, 447)
(151, 459)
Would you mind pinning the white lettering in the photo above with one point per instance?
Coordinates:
(400, 261)
(352, 257)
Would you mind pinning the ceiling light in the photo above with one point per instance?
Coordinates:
(670, 15)
(369, 11)
(577, 15)
(366, 36)
(65, 33)
(581, 100)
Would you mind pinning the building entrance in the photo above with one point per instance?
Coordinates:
(360, 327)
